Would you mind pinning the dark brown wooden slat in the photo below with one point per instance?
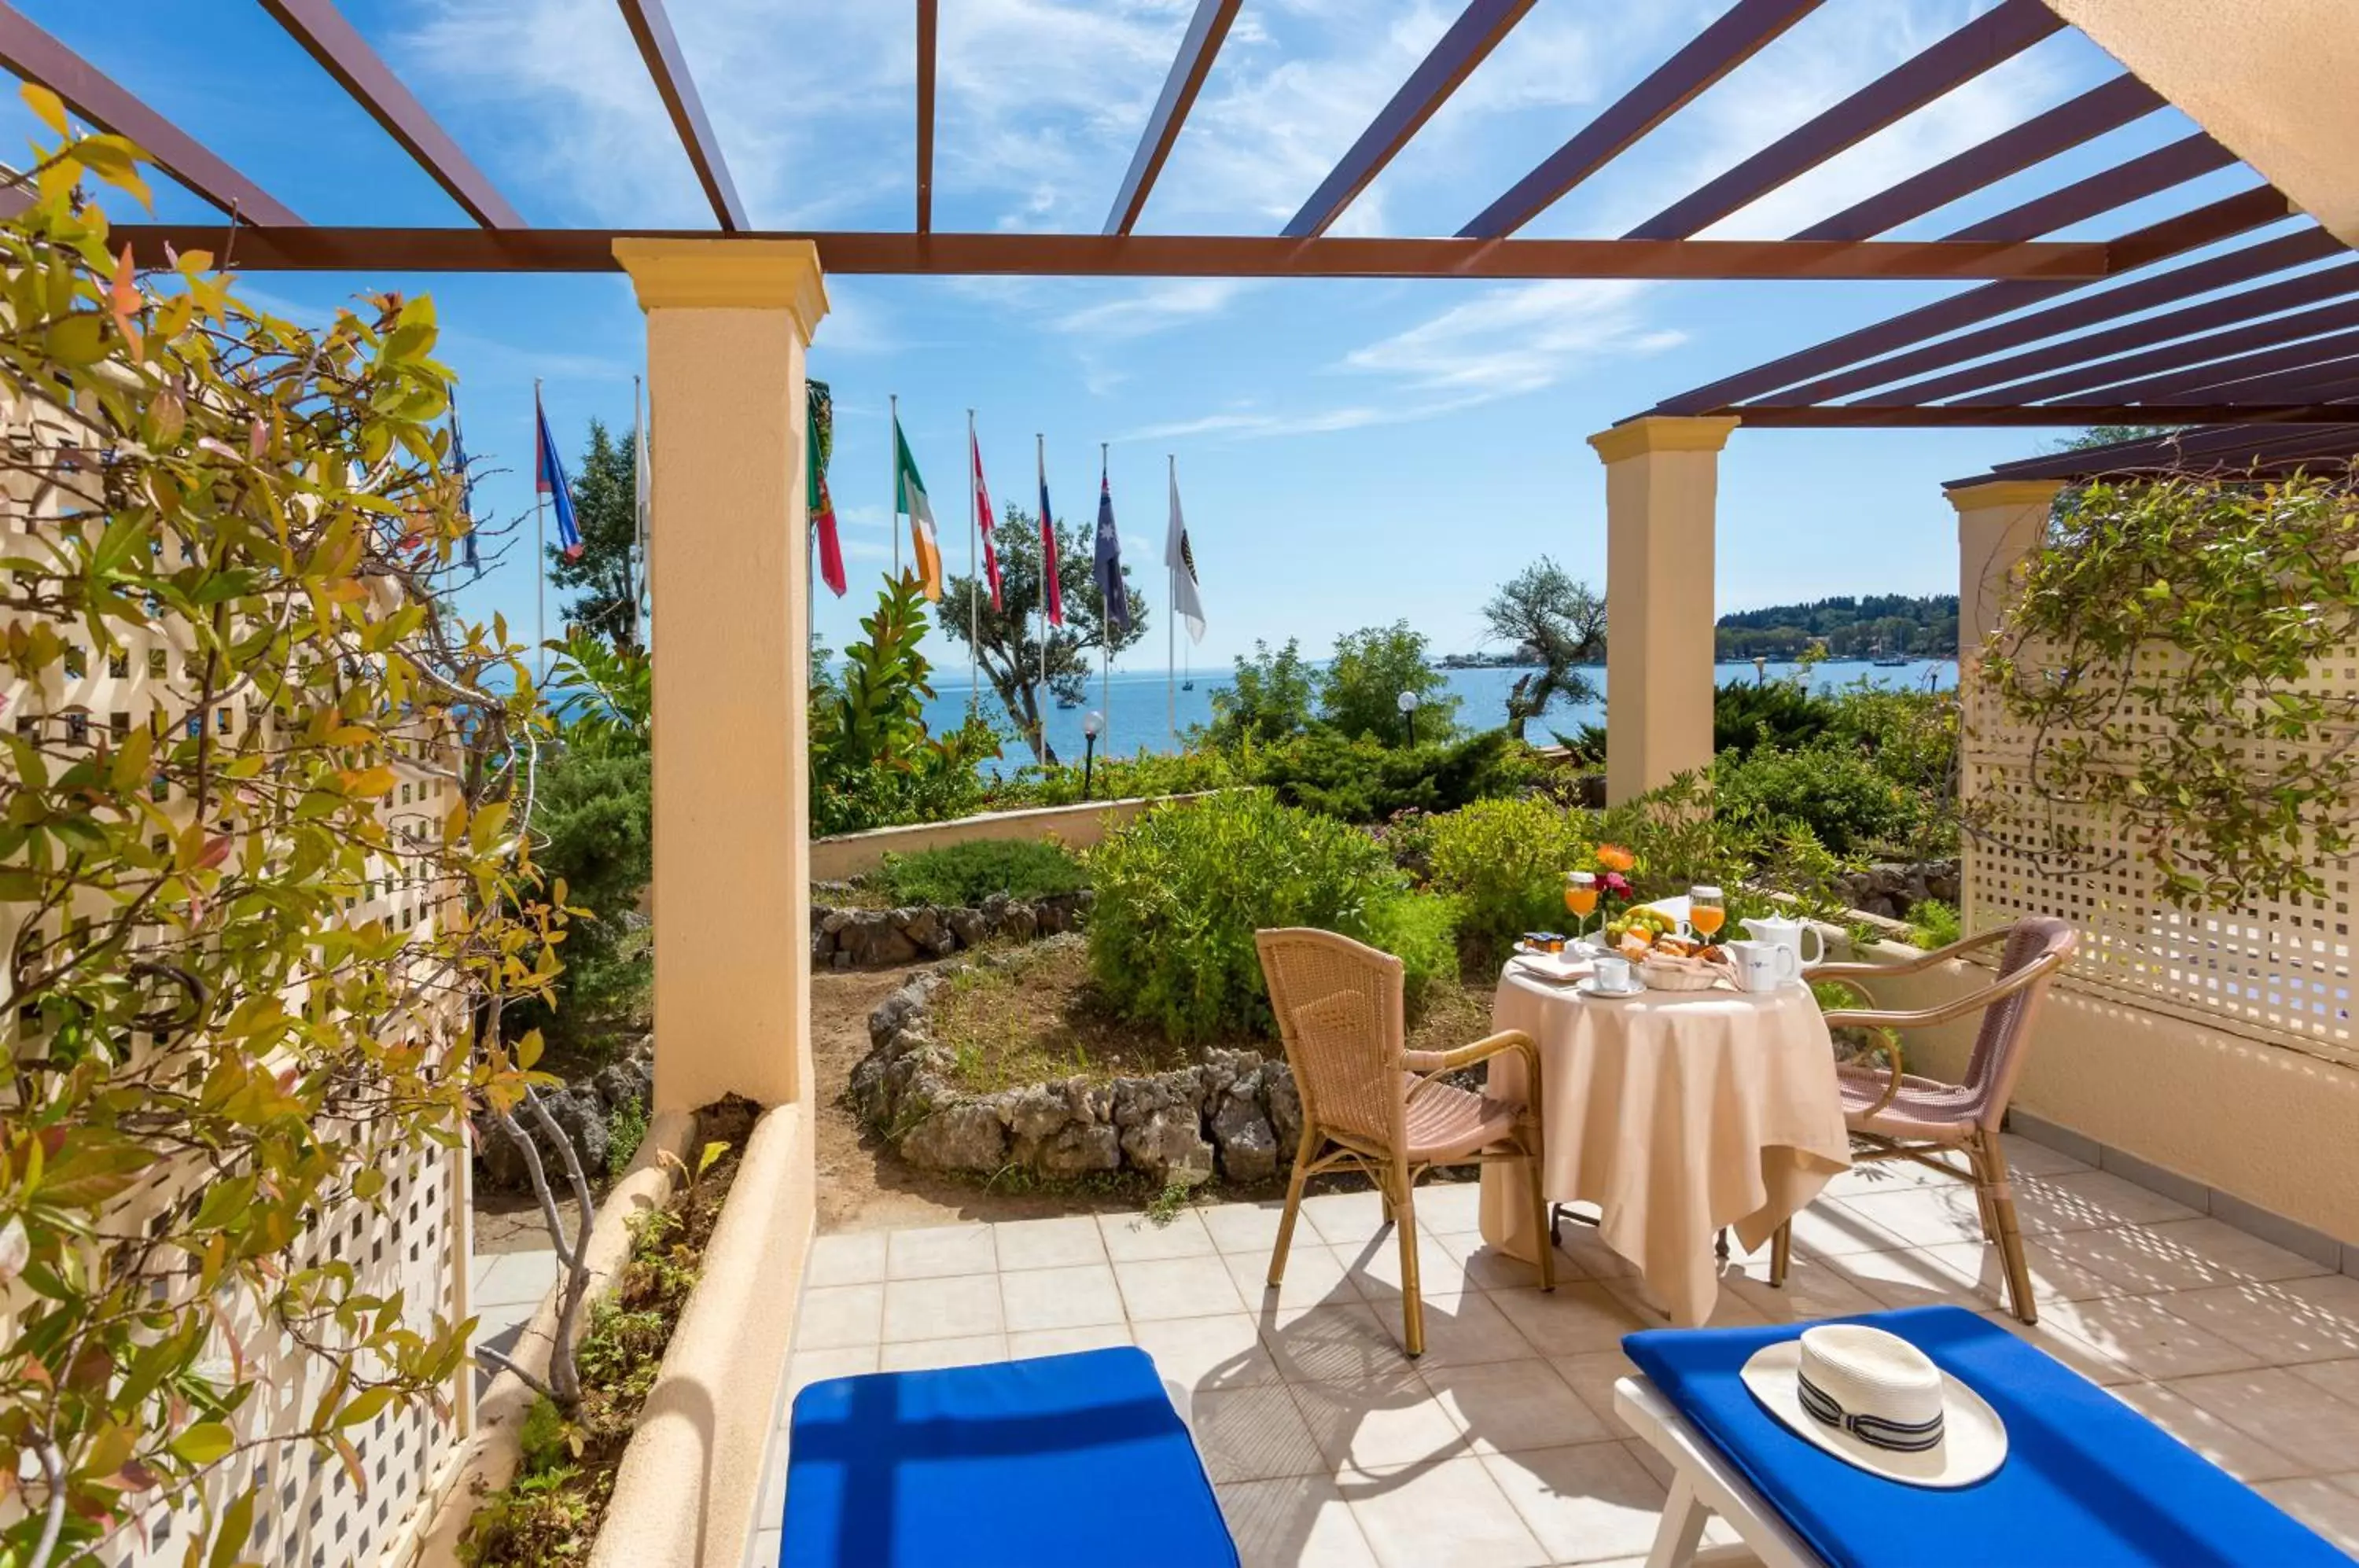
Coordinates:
(2326, 283)
(2101, 109)
(1740, 33)
(1146, 256)
(1945, 416)
(930, 20)
(2189, 158)
(2150, 454)
(1464, 45)
(659, 47)
(1988, 41)
(1198, 48)
(2221, 220)
(2333, 382)
(2229, 372)
(89, 91)
(344, 54)
(2084, 378)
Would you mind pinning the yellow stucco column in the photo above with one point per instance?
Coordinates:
(728, 325)
(1999, 522)
(1662, 480)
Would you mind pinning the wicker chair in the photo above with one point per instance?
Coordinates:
(1895, 1114)
(1371, 1104)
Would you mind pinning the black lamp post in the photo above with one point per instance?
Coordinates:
(1408, 703)
(1092, 725)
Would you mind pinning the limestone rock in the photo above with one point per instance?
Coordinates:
(1078, 1148)
(967, 927)
(1242, 1135)
(966, 1135)
(1284, 1103)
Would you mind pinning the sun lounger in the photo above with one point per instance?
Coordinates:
(2088, 1481)
(1036, 1463)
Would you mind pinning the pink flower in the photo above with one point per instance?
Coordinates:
(1616, 886)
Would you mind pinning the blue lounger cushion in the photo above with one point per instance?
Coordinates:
(1056, 1460)
(2088, 1481)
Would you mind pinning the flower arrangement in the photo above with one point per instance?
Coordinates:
(1614, 864)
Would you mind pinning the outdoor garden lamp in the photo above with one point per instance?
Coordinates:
(1092, 725)
(1407, 702)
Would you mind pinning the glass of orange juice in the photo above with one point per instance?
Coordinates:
(1707, 912)
(1580, 895)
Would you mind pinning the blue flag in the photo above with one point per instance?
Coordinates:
(466, 489)
(1109, 563)
(548, 479)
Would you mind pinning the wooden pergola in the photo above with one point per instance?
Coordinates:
(2060, 333)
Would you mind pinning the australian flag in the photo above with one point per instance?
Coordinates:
(1109, 563)
(548, 479)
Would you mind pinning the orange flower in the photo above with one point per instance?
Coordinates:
(1614, 857)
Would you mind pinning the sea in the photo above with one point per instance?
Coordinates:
(1140, 717)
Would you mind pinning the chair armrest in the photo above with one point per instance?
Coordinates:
(1431, 1062)
(1886, 1044)
(1922, 961)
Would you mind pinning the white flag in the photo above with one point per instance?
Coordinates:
(1186, 603)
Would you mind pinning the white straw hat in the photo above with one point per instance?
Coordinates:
(1876, 1400)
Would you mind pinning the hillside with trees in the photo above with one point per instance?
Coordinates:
(1851, 626)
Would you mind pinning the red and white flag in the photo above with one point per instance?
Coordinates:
(982, 518)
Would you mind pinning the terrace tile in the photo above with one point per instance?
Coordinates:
(1451, 1514)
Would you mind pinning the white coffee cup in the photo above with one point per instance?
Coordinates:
(1762, 966)
(1614, 976)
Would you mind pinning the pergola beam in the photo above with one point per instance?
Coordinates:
(1464, 45)
(659, 47)
(35, 56)
(344, 54)
(1739, 34)
(2264, 364)
(2206, 225)
(2187, 158)
(1198, 48)
(325, 249)
(2103, 108)
(2170, 452)
(2083, 379)
(1853, 416)
(2308, 288)
(1988, 40)
(930, 28)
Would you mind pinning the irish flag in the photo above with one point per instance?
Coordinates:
(909, 497)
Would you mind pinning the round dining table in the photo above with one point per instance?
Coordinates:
(1677, 1112)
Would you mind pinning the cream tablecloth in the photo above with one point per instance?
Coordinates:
(1676, 1113)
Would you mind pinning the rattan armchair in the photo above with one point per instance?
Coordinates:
(1371, 1104)
(1895, 1114)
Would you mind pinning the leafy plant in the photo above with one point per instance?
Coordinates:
(1267, 699)
(1364, 781)
(1552, 617)
(1845, 800)
(968, 873)
(626, 1128)
(1506, 862)
(1780, 714)
(602, 695)
(1183, 889)
(2166, 660)
(1933, 923)
(873, 761)
(262, 930)
(1359, 693)
(593, 826)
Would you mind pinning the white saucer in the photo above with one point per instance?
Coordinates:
(1591, 989)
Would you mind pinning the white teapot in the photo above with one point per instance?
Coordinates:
(1788, 934)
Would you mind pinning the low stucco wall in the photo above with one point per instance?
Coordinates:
(692, 1478)
(847, 855)
(2271, 1126)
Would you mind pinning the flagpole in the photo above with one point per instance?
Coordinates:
(1105, 619)
(974, 568)
(1048, 528)
(541, 531)
(641, 484)
(893, 456)
(1170, 624)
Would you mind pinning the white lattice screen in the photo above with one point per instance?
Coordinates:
(310, 1512)
(2280, 971)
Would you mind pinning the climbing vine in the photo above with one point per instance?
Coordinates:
(2179, 655)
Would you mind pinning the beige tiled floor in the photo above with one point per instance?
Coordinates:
(1499, 1446)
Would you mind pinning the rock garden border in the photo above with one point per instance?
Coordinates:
(850, 938)
(1232, 1114)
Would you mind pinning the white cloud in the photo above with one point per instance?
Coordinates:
(1154, 307)
(1518, 338)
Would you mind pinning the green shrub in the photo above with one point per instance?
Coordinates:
(1506, 861)
(1359, 693)
(971, 872)
(593, 813)
(1421, 931)
(1933, 924)
(1364, 781)
(626, 1128)
(1778, 711)
(1839, 795)
(1183, 889)
(1147, 775)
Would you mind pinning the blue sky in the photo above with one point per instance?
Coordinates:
(1350, 452)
